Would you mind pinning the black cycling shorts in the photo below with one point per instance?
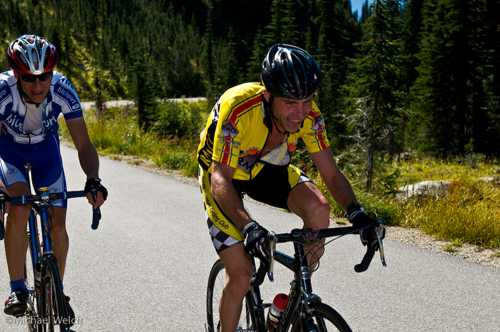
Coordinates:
(271, 186)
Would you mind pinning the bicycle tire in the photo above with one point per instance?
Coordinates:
(216, 282)
(325, 317)
(54, 315)
(33, 300)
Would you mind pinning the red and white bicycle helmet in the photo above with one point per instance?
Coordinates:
(31, 54)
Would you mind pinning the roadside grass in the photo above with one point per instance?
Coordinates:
(468, 212)
(115, 131)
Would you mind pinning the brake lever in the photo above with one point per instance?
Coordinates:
(380, 233)
(271, 236)
(2, 222)
(96, 213)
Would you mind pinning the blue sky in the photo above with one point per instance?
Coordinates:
(357, 4)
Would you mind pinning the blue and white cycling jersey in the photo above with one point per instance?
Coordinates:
(62, 98)
(40, 147)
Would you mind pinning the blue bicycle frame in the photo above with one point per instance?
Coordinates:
(42, 311)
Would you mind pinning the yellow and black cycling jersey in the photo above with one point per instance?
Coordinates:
(236, 132)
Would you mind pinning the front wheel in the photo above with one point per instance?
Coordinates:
(324, 317)
(33, 300)
(54, 315)
(216, 282)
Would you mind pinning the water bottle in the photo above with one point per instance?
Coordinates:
(38, 277)
(275, 312)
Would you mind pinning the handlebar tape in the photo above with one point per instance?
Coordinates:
(258, 278)
(95, 218)
(365, 263)
(2, 208)
(2, 228)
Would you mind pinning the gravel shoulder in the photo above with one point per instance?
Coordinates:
(411, 236)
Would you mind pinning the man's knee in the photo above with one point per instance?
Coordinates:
(18, 216)
(239, 270)
(318, 215)
(238, 282)
(58, 231)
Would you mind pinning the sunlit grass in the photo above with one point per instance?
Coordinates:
(115, 131)
(468, 212)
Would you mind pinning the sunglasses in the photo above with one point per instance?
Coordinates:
(32, 78)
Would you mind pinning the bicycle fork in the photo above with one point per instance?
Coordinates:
(300, 292)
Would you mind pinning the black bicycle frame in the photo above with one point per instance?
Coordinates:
(296, 265)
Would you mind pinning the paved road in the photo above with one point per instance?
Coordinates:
(146, 267)
(114, 103)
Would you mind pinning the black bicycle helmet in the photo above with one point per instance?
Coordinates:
(290, 72)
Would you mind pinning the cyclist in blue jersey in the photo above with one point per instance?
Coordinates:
(32, 96)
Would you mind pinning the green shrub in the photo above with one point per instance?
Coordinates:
(179, 120)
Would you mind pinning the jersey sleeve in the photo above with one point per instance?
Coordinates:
(5, 98)
(68, 99)
(228, 134)
(314, 135)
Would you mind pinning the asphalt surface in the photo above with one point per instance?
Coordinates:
(146, 267)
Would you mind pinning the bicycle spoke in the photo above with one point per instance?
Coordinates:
(216, 283)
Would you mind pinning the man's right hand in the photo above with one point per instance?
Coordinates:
(255, 242)
(6, 201)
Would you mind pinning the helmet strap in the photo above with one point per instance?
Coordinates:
(270, 119)
(268, 114)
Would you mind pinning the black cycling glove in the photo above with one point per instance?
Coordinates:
(359, 219)
(255, 242)
(5, 196)
(95, 183)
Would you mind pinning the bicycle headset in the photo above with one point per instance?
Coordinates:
(32, 55)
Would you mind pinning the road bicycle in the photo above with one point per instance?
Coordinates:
(304, 310)
(46, 304)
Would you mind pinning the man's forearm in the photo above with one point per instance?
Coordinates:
(230, 203)
(341, 190)
(89, 161)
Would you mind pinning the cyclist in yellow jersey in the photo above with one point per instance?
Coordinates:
(246, 148)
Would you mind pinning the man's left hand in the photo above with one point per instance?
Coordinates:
(359, 219)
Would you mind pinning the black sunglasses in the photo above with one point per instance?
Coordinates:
(32, 78)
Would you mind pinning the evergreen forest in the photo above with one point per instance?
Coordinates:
(401, 76)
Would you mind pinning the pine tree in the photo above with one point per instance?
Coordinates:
(365, 12)
(275, 28)
(142, 88)
(289, 26)
(374, 90)
(492, 81)
(332, 42)
(226, 71)
(449, 87)
(258, 54)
